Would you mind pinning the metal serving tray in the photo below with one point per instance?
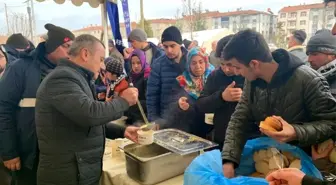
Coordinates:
(180, 142)
(151, 164)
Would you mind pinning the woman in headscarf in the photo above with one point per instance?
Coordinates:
(138, 77)
(184, 114)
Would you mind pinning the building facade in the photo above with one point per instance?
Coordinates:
(307, 17)
(263, 22)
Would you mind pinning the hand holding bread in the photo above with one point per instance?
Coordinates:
(278, 129)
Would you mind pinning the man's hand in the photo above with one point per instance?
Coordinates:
(128, 52)
(232, 94)
(131, 133)
(286, 176)
(101, 96)
(13, 164)
(286, 135)
(130, 95)
(228, 170)
(183, 104)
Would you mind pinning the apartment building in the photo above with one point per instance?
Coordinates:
(306, 17)
(158, 25)
(263, 22)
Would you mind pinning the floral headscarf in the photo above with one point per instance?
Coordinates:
(145, 67)
(192, 85)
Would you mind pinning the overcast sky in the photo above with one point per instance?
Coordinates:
(72, 17)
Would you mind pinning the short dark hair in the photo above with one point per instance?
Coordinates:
(300, 36)
(221, 44)
(83, 41)
(247, 45)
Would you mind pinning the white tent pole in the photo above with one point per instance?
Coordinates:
(105, 26)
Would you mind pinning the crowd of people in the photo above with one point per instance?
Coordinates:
(58, 101)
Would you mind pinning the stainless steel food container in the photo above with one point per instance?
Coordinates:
(151, 164)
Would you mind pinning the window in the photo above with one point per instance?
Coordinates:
(303, 30)
(292, 15)
(283, 15)
(303, 14)
(254, 29)
(302, 22)
(292, 23)
(330, 17)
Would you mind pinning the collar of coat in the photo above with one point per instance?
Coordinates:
(295, 48)
(86, 73)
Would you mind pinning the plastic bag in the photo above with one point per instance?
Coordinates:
(207, 168)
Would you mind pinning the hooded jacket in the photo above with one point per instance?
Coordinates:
(329, 72)
(297, 93)
(299, 51)
(19, 85)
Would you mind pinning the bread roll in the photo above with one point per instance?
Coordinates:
(271, 124)
(276, 162)
(262, 167)
(322, 147)
(258, 175)
(289, 156)
(260, 155)
(296, 164)
(332, 155)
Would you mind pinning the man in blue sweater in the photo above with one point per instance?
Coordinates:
(163, 75)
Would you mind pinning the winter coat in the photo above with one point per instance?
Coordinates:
(308, 180)
(133, 114)
(300, 52)
(297, 93)
(12, 54)
(191, 120)
(160, 82)
(211, 101)
(329, 72)
(18, 86)
(71, 127)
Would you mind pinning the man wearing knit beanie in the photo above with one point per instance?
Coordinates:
(163, 75)
(295, 44)
(17, 103)
(138, 40)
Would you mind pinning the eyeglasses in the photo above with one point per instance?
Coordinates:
(66, 46)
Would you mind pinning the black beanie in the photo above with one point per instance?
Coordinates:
(56, 37)
(221, 45)
(172, 33)
(186, 43)
(17, 41)
(323, 42)
(300, 35)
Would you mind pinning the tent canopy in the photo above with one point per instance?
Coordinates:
(93, 3)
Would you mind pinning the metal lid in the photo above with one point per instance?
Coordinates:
(181, 142)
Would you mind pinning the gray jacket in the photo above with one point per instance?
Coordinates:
(300, 52)
(71, 127)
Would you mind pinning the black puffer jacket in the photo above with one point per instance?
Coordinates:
(211, 101)
(18, 87)
(297, 93)
(71, 128)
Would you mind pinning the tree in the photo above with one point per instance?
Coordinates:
(179, 21)
(148, 28)
(19, 23)
(280, 36)
(192, 14)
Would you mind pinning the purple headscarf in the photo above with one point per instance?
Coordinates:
(145, 67)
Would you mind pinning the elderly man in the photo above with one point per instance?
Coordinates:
(71, 123)
(19, 84)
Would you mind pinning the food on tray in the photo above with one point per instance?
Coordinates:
(267, 161)
(271, 124)
(326, 145)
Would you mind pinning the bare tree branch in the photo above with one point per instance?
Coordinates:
(19, 23)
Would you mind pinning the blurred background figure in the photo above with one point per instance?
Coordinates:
(215, 61)
(295, 44)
